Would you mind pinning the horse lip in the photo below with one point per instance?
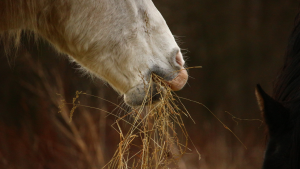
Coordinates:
(135, 96)
(175, 80)
(179, 81)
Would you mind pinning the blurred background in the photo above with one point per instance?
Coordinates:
(238, 44)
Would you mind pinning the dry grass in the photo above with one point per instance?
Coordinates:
(151, 140)
(155, 126)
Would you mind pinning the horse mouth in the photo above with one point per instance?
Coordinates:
(152, 94)
(179, 81)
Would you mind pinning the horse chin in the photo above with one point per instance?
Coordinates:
(144, 95)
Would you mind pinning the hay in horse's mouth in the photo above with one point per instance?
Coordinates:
(139, 94)
(155, 128)
(156, 137)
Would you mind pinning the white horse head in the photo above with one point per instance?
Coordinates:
(121, 42)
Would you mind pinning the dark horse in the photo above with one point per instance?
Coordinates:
(282, 111)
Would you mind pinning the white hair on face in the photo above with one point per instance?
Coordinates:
(113, 40)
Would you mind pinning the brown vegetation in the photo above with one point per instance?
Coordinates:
(238, 44)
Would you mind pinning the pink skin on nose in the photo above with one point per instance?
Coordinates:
(180, 80)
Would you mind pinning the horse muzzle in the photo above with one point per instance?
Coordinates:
(175, 76)
(151, 93)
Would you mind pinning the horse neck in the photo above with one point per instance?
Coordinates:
(19, 14)
(295, 151)
(286, 91)
(288, 80)
(37, 16)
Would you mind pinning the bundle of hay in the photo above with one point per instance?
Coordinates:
(152, 140)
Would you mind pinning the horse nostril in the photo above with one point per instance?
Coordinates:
(179, 59)
(176, 59)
